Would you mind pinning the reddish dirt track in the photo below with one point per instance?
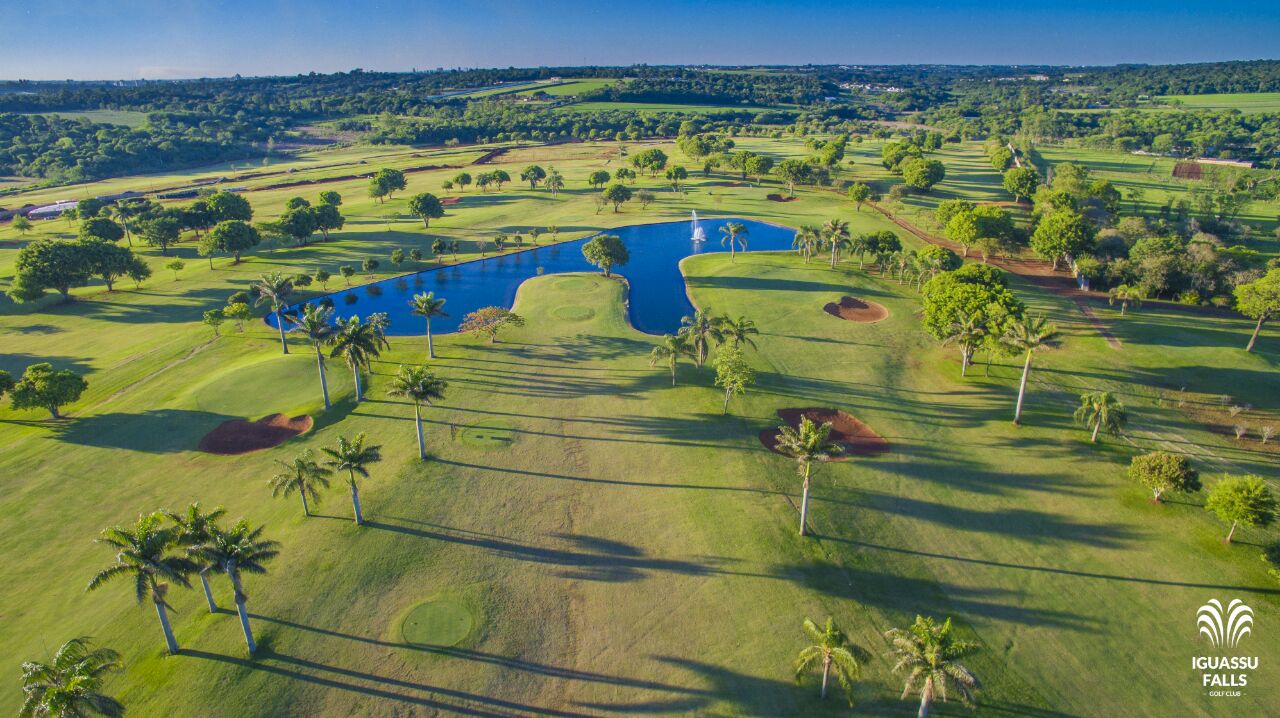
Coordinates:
(857, 438)
(856, 310)
(241, 437)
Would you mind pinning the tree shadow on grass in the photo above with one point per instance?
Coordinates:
(157, 431)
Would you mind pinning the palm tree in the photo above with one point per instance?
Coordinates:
(1101, 410)
(358, 344)
(807, 240)
(967, 332)
(861, 244)
(806, 444)
(829, 649)
(735, 234)
(274, 288)
(1028, 334)
(929, 655)
(194, 528)
(316, 323)
(670, 351)
(145, 556)
(738, 331)
(837, 233)
(1126, 294)
(426, 305)
(239, 550)
(352, 456)
(70, 686)
(304, 475)
(699, 331)
(420, 386)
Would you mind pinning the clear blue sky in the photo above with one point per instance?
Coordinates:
(109, 39)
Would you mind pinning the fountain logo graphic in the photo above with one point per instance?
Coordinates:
(1225, 627)
(1223, 675)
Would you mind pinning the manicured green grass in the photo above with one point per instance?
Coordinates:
(619, 545)
(1243, 101)
(128, 118)
(654, 107)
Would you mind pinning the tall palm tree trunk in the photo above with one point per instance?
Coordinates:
(826, 671)
(355, 500)
(673, 372)
(1022, 389)
(417, 422)
(1257, 329)
(242, 609)
(170, 641)
(324, 382)
(306, 510)
(1232, 532)
(804, 500)
(284, 345)
(964, 362)
(431, 347)
(1097, 424)
(208, 592)
(359, 390)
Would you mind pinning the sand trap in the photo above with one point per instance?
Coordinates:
(857, 438)
(780, 198)
(856, 310)
(446, 201)
(241, 437)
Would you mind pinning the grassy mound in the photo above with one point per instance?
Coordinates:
(442, 622)
(573, 313)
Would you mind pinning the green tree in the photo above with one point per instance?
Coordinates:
(1241, 501)
(499, 178)
(274, 289)
(490, 321)
(387, 181)
(175, 266)
(737, 332)
(42, 387)
(297, 224)
(555, 182)
(315, 322)
(962, 229)
(70, 685)
(929, 655)
(227, 206)
(699, 331)
(794, 171)
(232, 237)
(1260, 300)
(836, 232)
(195, 527)
(807, 240)
(328, 218)
(49, 264)
(805, 444)
(670, 351)
(859, 192)
(331, 198)
(420, 386)
(617, 193)
(606, 251)
(239, 550)
(735, 235)
(1126, 294)
(758, 166)
(397, 257)
(1101, 410)
(304, 475)
(214, 318)
(624, 174)
(968, 332)
(160, 232)
(353, 457)
(427, 305)
(828, 650)
(675, 175)
(239, 313)
(922, 174)
(145, 554)
(652, 161)
(106, 260)
(598, 179)
(533, 174)
(733, 374)
(1021, 182)
(20, 224)
(358, 344)
(1062, 233)
(1162, 471)
(101, 228)
(426, 206)
(1028, 335)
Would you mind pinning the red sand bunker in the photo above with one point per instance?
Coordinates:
(780, 198)
(857, 438)
(241, 437)
(856, 310)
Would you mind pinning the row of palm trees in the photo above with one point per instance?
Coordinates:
(698, 333)
(926, 652)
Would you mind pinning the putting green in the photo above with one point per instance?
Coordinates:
(442, 622)
(575, 284)
(291, 382)
(489, 434)
(573, 313)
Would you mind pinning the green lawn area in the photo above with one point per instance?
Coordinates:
(128, 118)
(573, 86)
(589, 540)
(653, 107)
(1243, 101)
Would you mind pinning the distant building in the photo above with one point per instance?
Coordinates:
(52, 211)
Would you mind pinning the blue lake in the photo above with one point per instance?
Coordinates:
(657, 297)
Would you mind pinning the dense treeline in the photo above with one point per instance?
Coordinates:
(717, 88)
(1192, 79)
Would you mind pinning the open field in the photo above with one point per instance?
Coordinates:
(652, 107)
(128, 118)
(1243, 101)
(622, 548)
